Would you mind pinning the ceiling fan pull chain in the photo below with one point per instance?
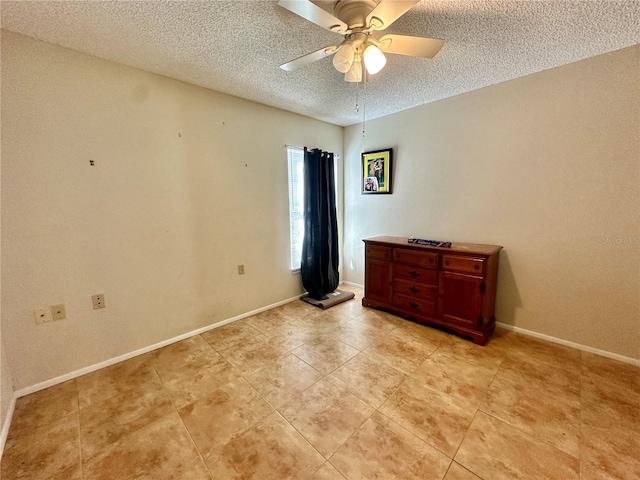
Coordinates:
(364, 103)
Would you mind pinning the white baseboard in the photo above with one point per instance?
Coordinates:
(355, 285)
(106, 363)
(567, 343)
(7, 424)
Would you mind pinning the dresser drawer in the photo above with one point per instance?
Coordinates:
(415, 289)
(413, 257)
(379, 252)
(421, 275)
(463, 264)
(415, 305)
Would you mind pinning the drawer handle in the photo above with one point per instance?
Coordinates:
(414, 274)
(413, 304)
(414, 290)
(476, 267)
(447, 262)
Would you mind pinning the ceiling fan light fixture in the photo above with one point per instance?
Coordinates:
(343, 59)
(374, 59)
(354, 74)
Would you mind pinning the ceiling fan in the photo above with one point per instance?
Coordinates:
(356, 20)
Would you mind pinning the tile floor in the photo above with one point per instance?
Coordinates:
(347, 393)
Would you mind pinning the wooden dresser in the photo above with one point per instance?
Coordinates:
(454, 288)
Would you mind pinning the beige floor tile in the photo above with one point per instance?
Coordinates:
(115, 380)
(327, 472)
(43, 407)
(296, 309)
(422, 333)
(546, 415)
(161, 450)
(265, 321)
(458, 472)
(191, 369)
(381, 321)
(610, 404)
(403, 353)
(291, 337)
(254, 355)
(597, 367)
(326, 414)
(325, 353)
(285, 378)
(435, 417)
(456, 377)
(525, 371)
(610, 451)
(181, 354)
(356, 334)
(270, 449)
(488, 356)
(107, 422)
(327, 319)
(51, 450)
(315, 323)
(495, 450)
(590, 472)
(216, 419)
(231, 335)
(369, 379)
(531, 348)
(383, 450)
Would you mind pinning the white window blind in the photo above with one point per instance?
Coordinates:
(295, 158)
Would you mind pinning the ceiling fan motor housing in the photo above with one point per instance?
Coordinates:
(354, 12)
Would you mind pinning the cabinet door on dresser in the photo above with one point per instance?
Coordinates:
(461, 291)
(378, 273)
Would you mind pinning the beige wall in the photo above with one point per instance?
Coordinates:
(549, 167)
(187, 184)
(6, 388)
(6, 382)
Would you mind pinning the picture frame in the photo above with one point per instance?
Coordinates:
(376, 172)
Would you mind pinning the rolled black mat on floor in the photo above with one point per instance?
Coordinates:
(335, 297)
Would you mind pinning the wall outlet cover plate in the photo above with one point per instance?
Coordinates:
(58, 312)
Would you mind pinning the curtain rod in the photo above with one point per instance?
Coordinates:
(286, 145)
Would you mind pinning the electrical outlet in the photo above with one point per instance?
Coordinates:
(42, 315)
(98, 301)
(241, 269)
(58, 312)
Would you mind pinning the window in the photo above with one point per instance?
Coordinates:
(295, 157)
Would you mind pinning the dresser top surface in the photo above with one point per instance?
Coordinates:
(468, 248)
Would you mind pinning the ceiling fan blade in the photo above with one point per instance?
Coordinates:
(314, 14)
(308, 58)
(387, 12)
(412, 46)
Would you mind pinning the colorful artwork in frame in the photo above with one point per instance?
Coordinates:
(376, 171)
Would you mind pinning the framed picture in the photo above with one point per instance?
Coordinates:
(376, 171)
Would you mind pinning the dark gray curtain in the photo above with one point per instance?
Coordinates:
(319, 265)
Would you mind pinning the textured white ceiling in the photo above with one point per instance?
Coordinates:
(236, 46)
